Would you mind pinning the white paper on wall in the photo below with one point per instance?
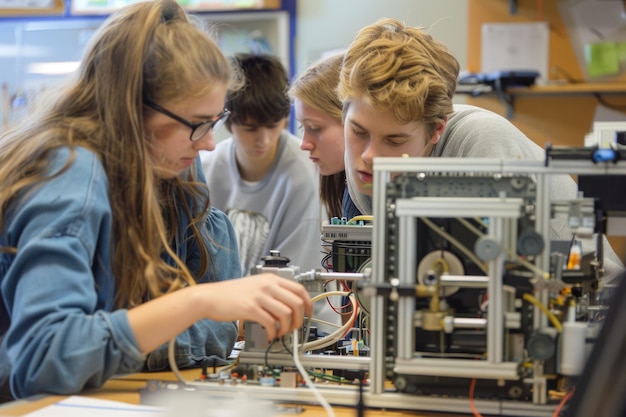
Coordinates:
(516, 46)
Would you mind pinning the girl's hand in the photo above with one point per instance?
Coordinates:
(276, 303)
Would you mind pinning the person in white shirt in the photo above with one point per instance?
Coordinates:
(259, 176)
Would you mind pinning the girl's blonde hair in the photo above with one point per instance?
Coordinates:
(317, 88)
(400, 68)
(146, 51)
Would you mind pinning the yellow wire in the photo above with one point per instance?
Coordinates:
(442, 263)
(555, 322)
(364, 217)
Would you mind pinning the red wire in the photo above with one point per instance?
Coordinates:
(356, 313)
(338, 309)
(471, 398)
(562, 403)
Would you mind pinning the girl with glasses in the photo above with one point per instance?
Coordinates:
(109, 246)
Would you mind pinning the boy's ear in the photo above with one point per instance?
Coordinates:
(438, 132)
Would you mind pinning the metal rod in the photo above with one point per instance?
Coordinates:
(344, 276)
(465, 281)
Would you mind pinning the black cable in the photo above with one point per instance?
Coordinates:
(569, 249)
(360, 405)
(605, 103)
(267, 353)
(282, 339)
(600, 99)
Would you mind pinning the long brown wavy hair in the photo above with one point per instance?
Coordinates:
(148, 50)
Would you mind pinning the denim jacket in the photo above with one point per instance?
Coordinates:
(59, 329)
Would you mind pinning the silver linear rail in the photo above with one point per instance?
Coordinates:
(512, 320)
(467, 166)
(344, 276)
(459, 207)
(462, 368)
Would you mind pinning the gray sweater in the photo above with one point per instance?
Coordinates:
(279, 212)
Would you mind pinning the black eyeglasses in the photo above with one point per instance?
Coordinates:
(198, 130)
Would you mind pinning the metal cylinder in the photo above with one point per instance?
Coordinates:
(465, 281)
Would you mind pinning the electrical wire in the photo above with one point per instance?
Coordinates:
(330, 303)
(598, 96)
(172, 360)
(471, 398)
(565, 399)
(267, 353)
(555, 322)
(307, 379)
(341, 331)
(307, 346)
(441, 263)
(324, 322)
(327, 262)
(603, 101)
(171, 357)
(569, 248)
(364, 217)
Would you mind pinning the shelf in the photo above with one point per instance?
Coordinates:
(507, 97)
(576, 88)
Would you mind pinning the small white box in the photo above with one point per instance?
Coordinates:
(604, 133)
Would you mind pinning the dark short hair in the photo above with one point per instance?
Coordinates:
(264, 98)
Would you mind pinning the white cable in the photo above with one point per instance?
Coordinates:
(172, 359)
(316, 344)
(324, 322)
(337, 334)
(327, 294)
(305, 376)
(174, 367)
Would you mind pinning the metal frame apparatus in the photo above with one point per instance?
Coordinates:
(501, 212)
(393, 289)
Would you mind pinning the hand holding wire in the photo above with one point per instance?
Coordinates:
(278, 304)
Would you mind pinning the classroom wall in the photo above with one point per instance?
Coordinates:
(331, 24)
